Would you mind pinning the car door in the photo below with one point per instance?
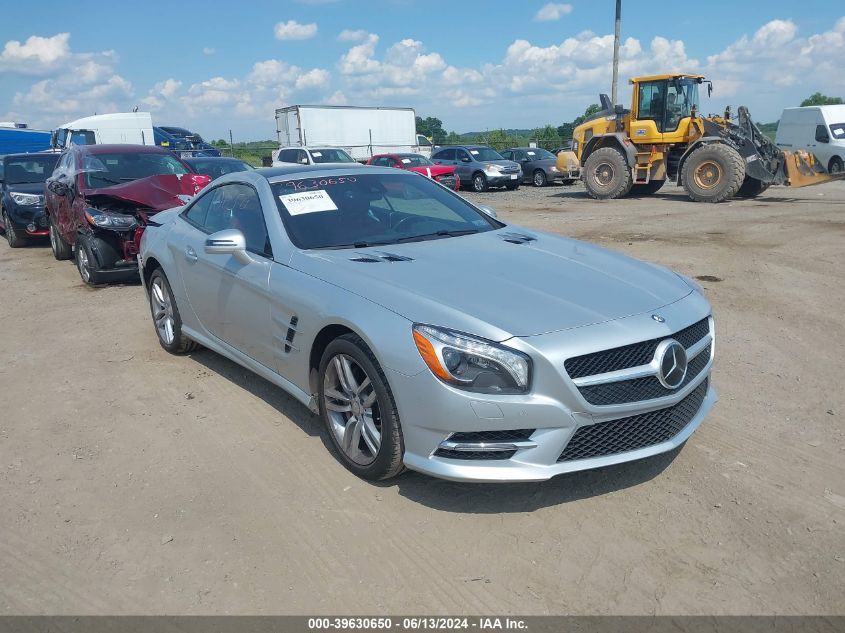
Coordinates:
(229, 297)
(65, 220)
(445, 157)
(463, 165)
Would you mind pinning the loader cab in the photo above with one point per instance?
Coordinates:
(662, 106)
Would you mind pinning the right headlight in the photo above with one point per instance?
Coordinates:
(471, 363)
(493, 170)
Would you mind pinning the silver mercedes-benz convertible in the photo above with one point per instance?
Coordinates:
(427, 333)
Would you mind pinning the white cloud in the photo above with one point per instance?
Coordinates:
(348, 35)
(359, 59)
(208, 50)
(315, 78)
(35, 55)
(552, 11)
(293, 30)
(338, 98)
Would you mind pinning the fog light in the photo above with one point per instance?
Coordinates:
(30, 227)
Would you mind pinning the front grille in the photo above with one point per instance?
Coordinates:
(514, 435)
(473, 455)
(641, 388)
(634, 432)
(633, 355)
(509, 169)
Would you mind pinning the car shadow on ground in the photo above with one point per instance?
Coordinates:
(449, 496)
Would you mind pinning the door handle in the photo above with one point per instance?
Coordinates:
(190, 254)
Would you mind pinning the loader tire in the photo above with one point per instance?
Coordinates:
(713, 173)
(606, 174)
(751, 188)
(652, 186)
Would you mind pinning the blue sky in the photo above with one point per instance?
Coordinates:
(475, 65)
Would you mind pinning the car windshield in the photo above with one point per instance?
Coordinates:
(331, 156)
(837, 130)
(30, 169)
(360, 210)
(535, 153)
(106, 170)
(217, 168)
(414, 160)
(485, 153)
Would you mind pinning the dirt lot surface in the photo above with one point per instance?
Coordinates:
(132, 481)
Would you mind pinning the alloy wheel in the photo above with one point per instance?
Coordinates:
(53, 243)
(351, 402)
(82, 263)
(162, 304)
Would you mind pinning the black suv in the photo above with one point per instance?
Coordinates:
(22, 178)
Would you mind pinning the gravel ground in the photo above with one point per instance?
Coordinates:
(137, 482)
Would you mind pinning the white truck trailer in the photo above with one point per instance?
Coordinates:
(361, 131)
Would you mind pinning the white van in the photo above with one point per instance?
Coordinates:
(820, 130)
(120, 128)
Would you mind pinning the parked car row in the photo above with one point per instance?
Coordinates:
(425, 332)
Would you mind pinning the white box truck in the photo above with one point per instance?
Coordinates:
(819, 130)
(119, 128)
(361, 131)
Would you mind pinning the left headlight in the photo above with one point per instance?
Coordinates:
(107, 220)
(471, 363)
(554, 168)
(493, 170)
(27, 199)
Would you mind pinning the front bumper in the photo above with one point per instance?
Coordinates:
(29, 221)
(503, 179)
(554, 411)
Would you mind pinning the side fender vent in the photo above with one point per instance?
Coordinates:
(294, 321)
(381, 257)
(392, 257)
(517, 238)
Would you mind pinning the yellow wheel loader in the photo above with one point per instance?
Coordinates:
(664, 137)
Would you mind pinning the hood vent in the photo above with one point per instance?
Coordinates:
(517, 238)
(381, 257)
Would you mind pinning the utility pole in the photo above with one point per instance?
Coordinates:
(616, 51)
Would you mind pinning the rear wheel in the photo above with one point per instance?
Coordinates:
(751, 188)
(835, 166)
(479, 182)
(12, 236)
(652, 186)
(540, 179)
(357, 407)
(61, 249)
(166, 317)
(713, 173)
(606, 174)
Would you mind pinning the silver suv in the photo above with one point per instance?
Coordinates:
(480, 167)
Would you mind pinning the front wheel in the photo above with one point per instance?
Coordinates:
(92, 254)
(479, 182)
(12, 236)
(357, 407)
(713, 173)
(166, 317)
(540, 179)
(835, 166)
(606, 174)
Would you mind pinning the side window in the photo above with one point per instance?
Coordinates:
(651, 102)
(287, 156)
(460, 155)
(446, 154)
(821, 134)
(507, 154)
(302, 157)
(238, 207)
(197, 213)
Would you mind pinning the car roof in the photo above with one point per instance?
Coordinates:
(212, 158)
(463, 147)
(120, 148)
(277, 174)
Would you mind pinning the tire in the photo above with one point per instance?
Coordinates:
(93, 253)
(713, 173)
(479, 182)
(12, 236)
(835, 166)
(652, 186)
(606, 174)
(539, 179)
(343, 402)
(61, 249)
(751, 188)
(165, 313)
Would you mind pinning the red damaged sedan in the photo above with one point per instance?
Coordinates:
(101, 197)
(443, 174)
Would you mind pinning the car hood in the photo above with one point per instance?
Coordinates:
(154, 192)
(433, 170)
(499, 283)
(25, 187)
(500, 163)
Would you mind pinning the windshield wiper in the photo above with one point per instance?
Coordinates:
(428, 236)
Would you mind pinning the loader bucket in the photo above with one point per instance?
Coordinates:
(568, 165)
(803, 169)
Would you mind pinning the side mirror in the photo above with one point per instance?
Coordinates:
(59, 188)
(618, 110)
(228, 242)
(489, 211)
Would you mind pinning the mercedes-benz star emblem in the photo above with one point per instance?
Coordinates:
(658, 318)
(671, 360)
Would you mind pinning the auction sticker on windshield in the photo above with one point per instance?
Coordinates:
(308, 202)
